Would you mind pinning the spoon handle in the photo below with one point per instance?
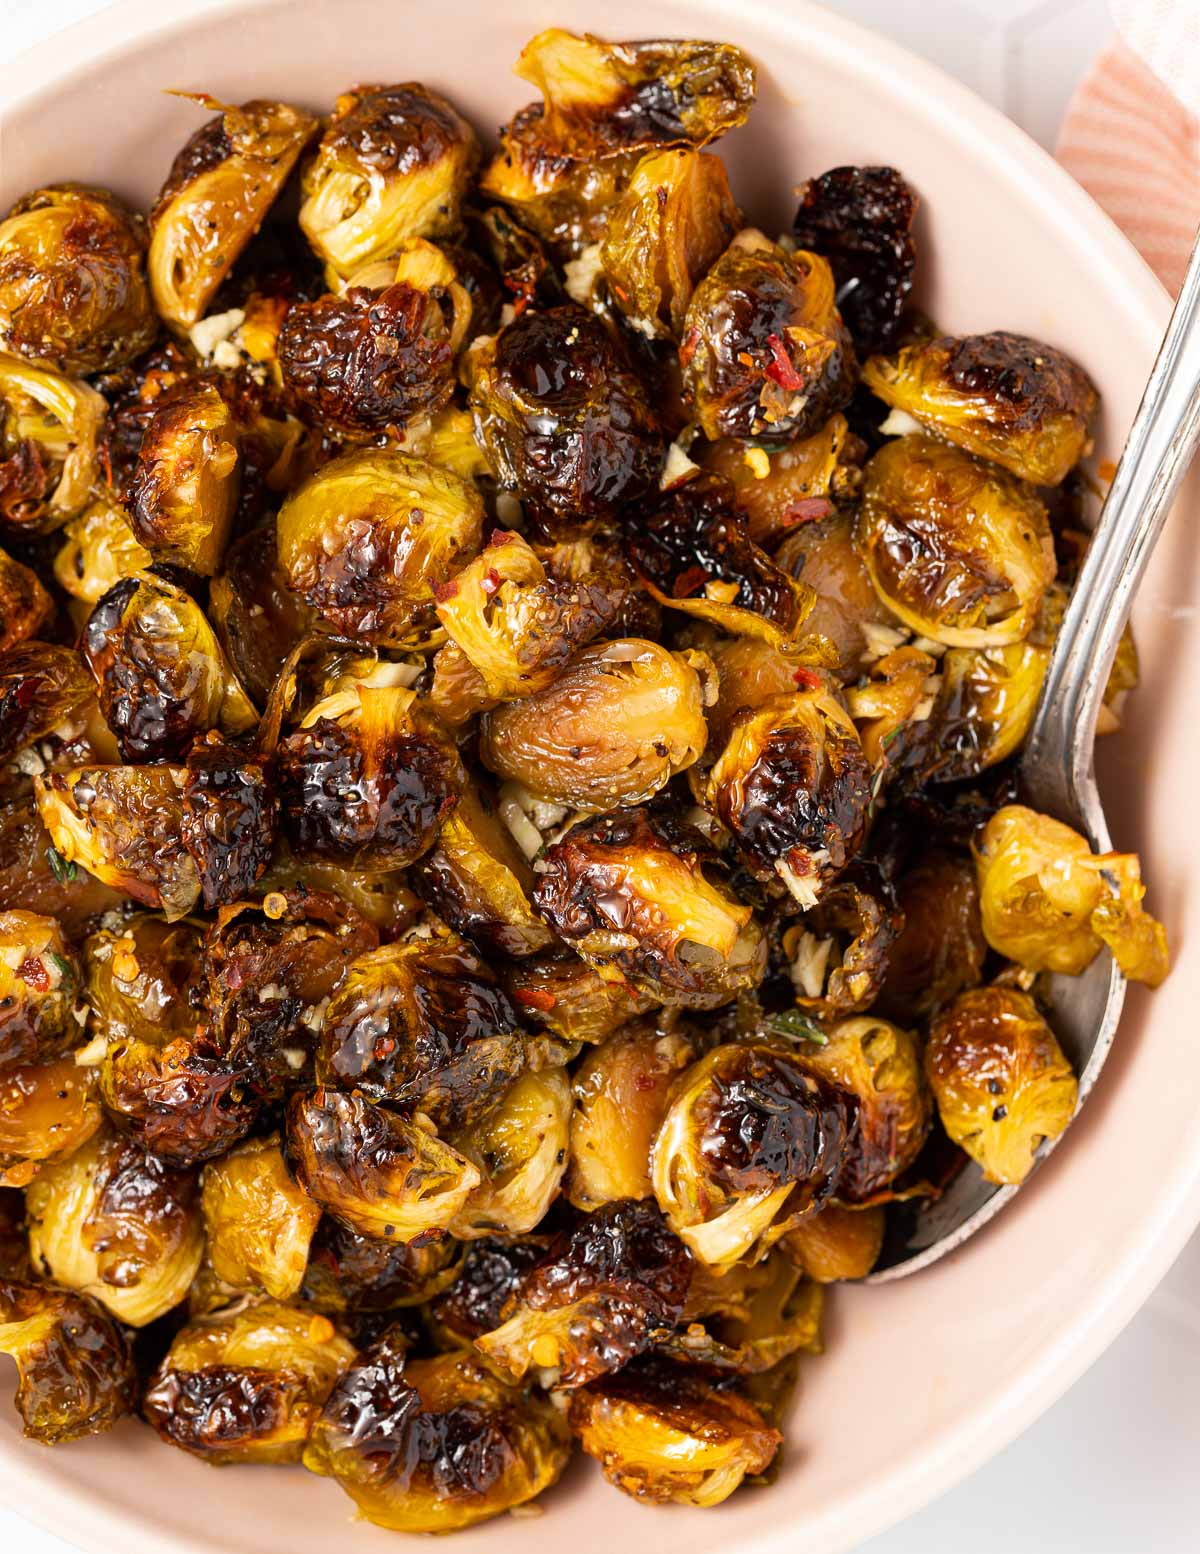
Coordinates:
(1056, 770)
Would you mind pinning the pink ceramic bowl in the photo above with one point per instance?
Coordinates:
(925, 1378)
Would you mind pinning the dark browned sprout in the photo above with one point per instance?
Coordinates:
(48, 445)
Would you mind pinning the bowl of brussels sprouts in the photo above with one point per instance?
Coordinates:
(512, 651)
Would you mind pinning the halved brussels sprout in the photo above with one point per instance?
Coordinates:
(257, 617)
(1000, 1080)
(41, 686)
(781, 1315)
(1048, 902)
(520, 1146)
(1005, 397)
(119, 1225)
(217, 194)
(39, 984)
(432, 1445)
(394, 163)
(372, 1169)
(662, 1433)
(629, 892)
(940, 949)
(72, 280)
(75, 1369)
(960, 551)
(99, 549)
(35, 878)
(562, 994)
(365, 538)
(347, 1272)
(837, 1242)
(139, 976)
(229, 816)
(24, 603)
(183, 1100)
(246, 1385)
(789, 489)
(892, 703)
(615, 726)
(491, 1273)
(259, 1223)
(48, 441)
(47, 1110)
(841, 950)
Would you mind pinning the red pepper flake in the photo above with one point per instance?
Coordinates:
(689, 581)
(807, 510)
(491, 581)
(34, 974)
(501, 537)
(444, 591)
(687, 347)
(534, 998)
(807, 679)
(780, 370)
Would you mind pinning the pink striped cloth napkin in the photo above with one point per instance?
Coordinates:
(1132, 132)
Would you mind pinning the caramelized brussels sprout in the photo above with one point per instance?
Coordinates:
(24, 603)
(848, 612)
(599, 1297)
(959, 551)
(39, 983)
(99, 549)
(621, 1090)
(72, 281)
(563, 419)
(781, 1316)
(75, 1369)
(520, 1146)
(629, 892)
(750, 672)
(47, 1110)
(139, 977)
(48, 442)
(673, 221)
(664, 1434)
(940, 948)
(34, 877)
(1000, 1080)
(371, 1169)
(1048, 902)
(246, 1385)
(433, 1445)
(184, 1101)
(619, 722)
(837, 1242)
(41, 686)
(764, 350)
(422, 1024)
(860, 220)
(892, 702)
(229, 815)
(218, 191)
(348, 1272)
(123, 824)
(394, 163)
(257, 617)
(491, 1273)
(751, 1143)
(119, 1225)
(562, 994)
(841, 950)
(259, 1223)
(363, 540)
(1004, 397)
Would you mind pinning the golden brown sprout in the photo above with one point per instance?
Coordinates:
(139, 976)
(218, 191)
(47, 1110)
(75, 1368)
(562, 994)
(1049, 902)
(246, 1385)
(35, 878)
(837, 1243)
(394, 163)
(960, 551)
(751, 1143)
(24, 603)
(72, 284)
(42, 691)
(256, 616)
(39, 984)
(1000, 1080)
(258, 1222)
(841, 950)
(749, 673)
(1005, 397)
(119, 1225)
(619, 722)
(520, 1146)
(433, 1445)
(782, 1315)
(894, 701)
(184, 1101)
(822, 555)
(789, 489)
(48, 445)
(940, 949)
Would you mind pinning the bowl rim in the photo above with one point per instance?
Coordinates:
(989, 139)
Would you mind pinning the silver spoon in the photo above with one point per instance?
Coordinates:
(1057, 774)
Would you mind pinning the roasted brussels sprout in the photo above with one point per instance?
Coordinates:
(348, 1272)
(218, 191)
(259, 1223)
(629, 892)
(491, 1273)
(940, 948)
(229, 815)
(119, 1225)
(837, 1243)
(41, 686)
(1048, 902)
(959, 551)
(24, 603)
(48, 442)
(892, 703)
(780, 1317)
(184, 1101)
(75, 1368)
(563, 419)
(257, 617)
(435, 1444)
(39, 985)
(619, 722)
(662, 1433)
(99, 549)
(139, 977)
(764, 350)
(47, 1110)
(34, 877)
(1004, 397)
(520, 1146)
(751, 1143)
(848, 613)
(372, 1169)
(750, 672)
(363, 540)
(72, 280)
(562, 994)
(394, 163)
(621, 1091)
(841, 950)
(246, 1385)
(1000, 1080)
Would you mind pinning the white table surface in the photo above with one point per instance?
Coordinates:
(1114, 1468)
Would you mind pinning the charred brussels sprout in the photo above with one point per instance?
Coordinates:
(246, 1385)
(436, 1444)
(217, 194)
(41, 686)
(1000, 1080)
(764, 350)
(619, 722)
(48, 438)
(1004, 397)
(940, 949)
(347, 1272)
(39, 984)
(24, 603)
(74, 1365)
(99, 549)
(256, 616)
(491, 1273)
(119, 1225)
(751, 1143)
(229, 814)
(395, 163)
(139, 978)
(958, 550)
(837, 1243)
(1049, 902)
(630, 894)
(520, 1145)
(373, 1170)
(363, 540)
(47, 1110)
(34, 876)
(259, 1223)
(563, 419)
(72, 280)
(841, 950)
(562, 994)
(182, 1100)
